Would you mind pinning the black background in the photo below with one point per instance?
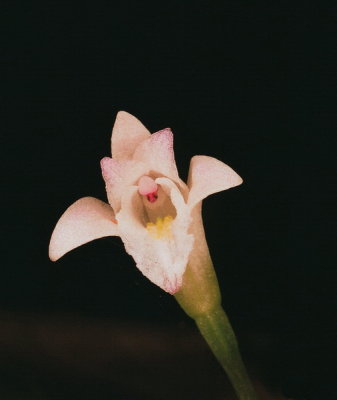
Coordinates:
(252, 84)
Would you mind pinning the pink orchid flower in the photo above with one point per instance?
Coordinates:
(157, 216)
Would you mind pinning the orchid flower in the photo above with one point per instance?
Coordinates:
(158, 217)
(150, 207)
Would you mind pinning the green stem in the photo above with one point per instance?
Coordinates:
(200, 298)
(218, 333)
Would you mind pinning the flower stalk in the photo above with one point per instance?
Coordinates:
(216, 329)
(200, 298)
(218, 333)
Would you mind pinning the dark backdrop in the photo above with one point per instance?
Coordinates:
(251, 84)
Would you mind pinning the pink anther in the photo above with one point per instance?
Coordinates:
(148, 187)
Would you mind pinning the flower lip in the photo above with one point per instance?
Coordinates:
(157, 204)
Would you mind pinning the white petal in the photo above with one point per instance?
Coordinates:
(127, 133)
(157, 153)
(163, 260)
(207, 175)
(85, 220)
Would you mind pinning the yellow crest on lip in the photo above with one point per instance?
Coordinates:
(161, 229)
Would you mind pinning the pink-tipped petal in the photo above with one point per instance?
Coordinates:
(157, 153)
(127, 133)
(118, 175)
(85, 220)
(207, 175)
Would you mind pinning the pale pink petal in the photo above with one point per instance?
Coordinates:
(85, 220)
(127, 133)
(208, 175)
(157, 153)
(163, 260)
(118, 175)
